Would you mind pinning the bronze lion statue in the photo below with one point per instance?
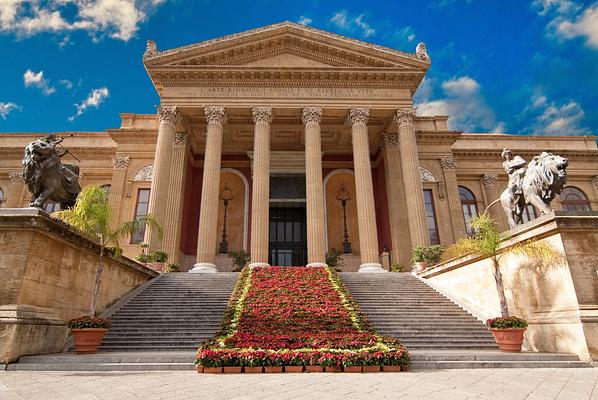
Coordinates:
(46, 177)
(538, 183)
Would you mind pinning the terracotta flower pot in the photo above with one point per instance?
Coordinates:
(293, 368)
(212, 370)
(333, 369)
(371, 368)
(509, 340)
(232, 370)
(272, 370)
(156, 266)
(420, 266)
(87, 340)
(355, 368)
(391, 368)
(405, 367)
(199, 369)
(253, 370)
(314, 368)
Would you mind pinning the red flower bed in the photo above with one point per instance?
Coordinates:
(296, 316)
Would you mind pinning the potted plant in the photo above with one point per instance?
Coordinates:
(156, 260)
(172, 267)
(508, 332)
(487, 243)
(88, 333)
(418, 258)
(91, 216)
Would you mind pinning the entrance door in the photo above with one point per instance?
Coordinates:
(288, 235)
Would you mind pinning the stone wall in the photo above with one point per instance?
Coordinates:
(48, 271)
(559, 302)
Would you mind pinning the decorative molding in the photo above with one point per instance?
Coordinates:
(151, 49)
(16, 178)
(121, 162)
(169, 115)
(215, 115)
(358, 116)
(311, 115)
(488, 179)
(180, 139)
(426, 175)
(448, 163)
(421, 52)
(261, 115)
(145, 174)
(404, 117)
(595, 181)
(389, 140)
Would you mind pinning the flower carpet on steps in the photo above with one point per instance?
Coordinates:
(296, 317)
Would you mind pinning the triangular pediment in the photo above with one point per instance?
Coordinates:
(285, 45)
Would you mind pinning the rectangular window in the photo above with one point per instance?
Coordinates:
(141, 210)
(431, 216)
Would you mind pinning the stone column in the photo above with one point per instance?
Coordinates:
(449, 167)
(210, 193)
(169, 116)
(174, 203)
(119, 176)
(414, 196)
(316, 251)
(364, 192)
(17, 192)
(496, 212)
(260, 193)
(399, 230)
(595, 186)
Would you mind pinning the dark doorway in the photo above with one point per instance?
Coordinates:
(288, 234)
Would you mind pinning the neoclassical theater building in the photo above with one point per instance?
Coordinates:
(289, 141)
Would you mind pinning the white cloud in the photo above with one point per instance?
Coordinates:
(463, 103)
(552, 118)
(543, 7)
(119, 19)
(7, 108)
(95, 98)
(37, 80)
(66, 83)
(346, 22)
(585, 25)
(303, 20)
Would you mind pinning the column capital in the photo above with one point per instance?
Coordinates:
(404, 117)
(358, 116)
(389, 140)
(16, 178)
(311, 115)
(215, 114)
(448, 163)
(169, 115)
(261, 115)
(180, 139)
(121, 162)
(488, 179)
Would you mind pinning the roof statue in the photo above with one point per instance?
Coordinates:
(46, 177)
(536, 183)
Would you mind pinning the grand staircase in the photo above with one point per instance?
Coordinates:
(400, 305)
(161, 326)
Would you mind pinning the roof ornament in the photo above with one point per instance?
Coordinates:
(421, 52)
(151, 49)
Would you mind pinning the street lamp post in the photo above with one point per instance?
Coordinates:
(343, 196)
(226, 196)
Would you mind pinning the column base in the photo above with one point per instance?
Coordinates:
(203, 268)
(372, 268)
(258, 264)
(317, 264)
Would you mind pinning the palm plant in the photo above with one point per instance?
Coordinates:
(91, 216)
(487, 243)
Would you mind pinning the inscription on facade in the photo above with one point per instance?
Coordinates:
(291, 92)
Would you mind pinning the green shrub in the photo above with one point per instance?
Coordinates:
(334, 259)
(240, 259)
(89, 322)
(506, 323)
(158, 256)
(429, 254)
(398, 268)
(172, 267)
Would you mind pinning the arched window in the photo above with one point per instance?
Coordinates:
(573, 199)
(469, 206)
(431, 216)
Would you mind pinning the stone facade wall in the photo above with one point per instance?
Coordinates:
(560, 302)
(48, 273)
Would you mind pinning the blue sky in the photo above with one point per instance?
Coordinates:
(522, 67)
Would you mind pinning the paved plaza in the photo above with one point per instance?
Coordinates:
(503, 384)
